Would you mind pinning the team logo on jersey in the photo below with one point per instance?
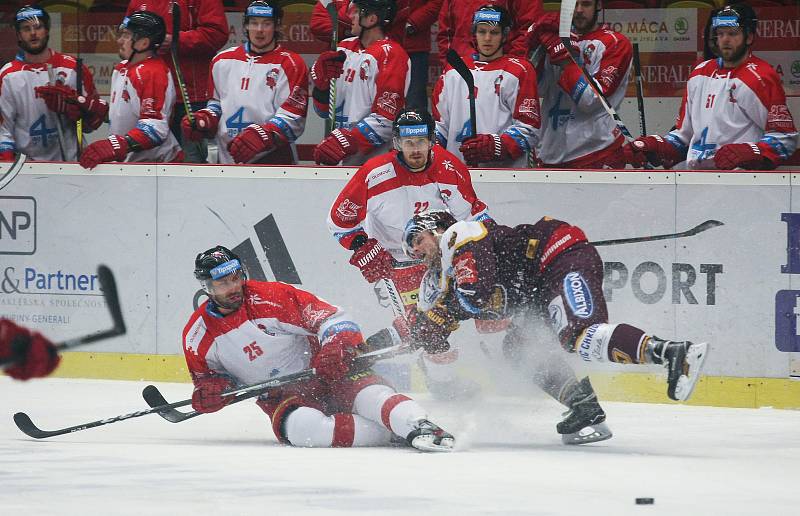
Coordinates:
(497, 83)
(315, 317)
(588, 54)
(299, 98)
(608, 76)
(576, 290)
(265, 330)
(126, 96)
(445, 194)
(272, 78)
(388, 102)
(363, 71)
(255, 299)
(348, 210)
(530, 107)
(448, 165)
(779, 118)
(464, 268)
(148, 109)
(558, 318)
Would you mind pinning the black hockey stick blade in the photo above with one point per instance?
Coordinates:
(153, 397)
(689, 232)
(458, 64)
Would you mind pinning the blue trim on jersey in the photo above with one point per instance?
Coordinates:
(150, 132)
(284, 127)
(465, 304)
(677, 143)
(340, 327)
(322, 114)
(215, 107)
(441, 139)
(8, 146)
(212, 310)
(518, 137)
(773, 142)
(338, 235)
(369, 133)
(483, 216)
(577, 91)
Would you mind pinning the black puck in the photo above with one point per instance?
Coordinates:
(645, 501)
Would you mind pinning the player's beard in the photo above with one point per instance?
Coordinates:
(586, 25)
(736, 54)
(231, 302)
(34, 51)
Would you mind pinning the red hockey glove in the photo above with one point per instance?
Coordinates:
(431, 329)
(484, 147)
(205, 125)
(94, 111)
(60, 99)
(113, 148)
(7, 156)
(741, 155)
(559, 54)
(329, 65)
(207, 395)
(335, 147)
(374, 262)
(546, 24)
(633, 156)
(35, 355)
(253, 140)
(336, 356)
(657, 150)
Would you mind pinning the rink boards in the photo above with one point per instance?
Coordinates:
(734, 286)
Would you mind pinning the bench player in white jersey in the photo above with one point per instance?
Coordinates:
(734, 112)
(38, 92)
(371, 86)
(506, 102)
(369, 214)
(576, 131)
(142, 98)
(251, 331)
(260, 95)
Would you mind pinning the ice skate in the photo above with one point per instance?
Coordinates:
(430, 438)
(684, 361)
(584, 421)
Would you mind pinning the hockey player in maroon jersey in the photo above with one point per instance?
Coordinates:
(507, 102)
(368, 216)
(260, 95)
(576, 131)
(38, 93)
(544, 270)
(142, 97)
(734, 112)
(372, 77)
(34, 355)
(251, 331)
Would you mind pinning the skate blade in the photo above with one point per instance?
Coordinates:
(588, 434)
(427, 443)
(696, 358)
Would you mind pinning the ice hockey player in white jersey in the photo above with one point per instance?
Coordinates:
(251, 331)
(39, 93)
(260, 95)
(369, 214)
(142, 98)
(734, 112)
(372, 77)
(576, 131)
(506, 102)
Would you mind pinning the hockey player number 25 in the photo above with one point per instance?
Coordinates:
(253, 350)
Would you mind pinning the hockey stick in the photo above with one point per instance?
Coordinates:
(330, 122)
(59, 130)
(79, 80)
(690, 232)
(458, 64)
(109, 287)
(386, 343)
(637, 70)
(173, 50)
(13, 170)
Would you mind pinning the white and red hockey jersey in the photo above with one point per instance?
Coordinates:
(369, 94)
(506, 104)
(384, 194)
(26, 124)
(575, 127)
(275, 332)
(270, 88)
(745, 104)
(141, 102)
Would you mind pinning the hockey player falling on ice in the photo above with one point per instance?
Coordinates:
(260, 99)
(251, 331)
(39, 100)
(734, 112)
(142, 96)
(372, 77)
(506, 103)
(34, 355)
(547, 270)
(576, 130)
(368, 216)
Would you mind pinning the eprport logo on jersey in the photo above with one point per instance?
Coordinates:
(17, 225)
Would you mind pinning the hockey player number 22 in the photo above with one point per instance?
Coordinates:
(420, 207)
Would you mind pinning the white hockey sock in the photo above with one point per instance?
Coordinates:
(397, 412)
(592, 344)
(311, 428)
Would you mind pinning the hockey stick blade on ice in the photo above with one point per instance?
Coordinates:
(173, 50)
(689, 232)
(458, 64)
(109, 287)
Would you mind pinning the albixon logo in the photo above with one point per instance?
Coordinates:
(578, 296)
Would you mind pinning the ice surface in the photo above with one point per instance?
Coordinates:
(692, 460)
